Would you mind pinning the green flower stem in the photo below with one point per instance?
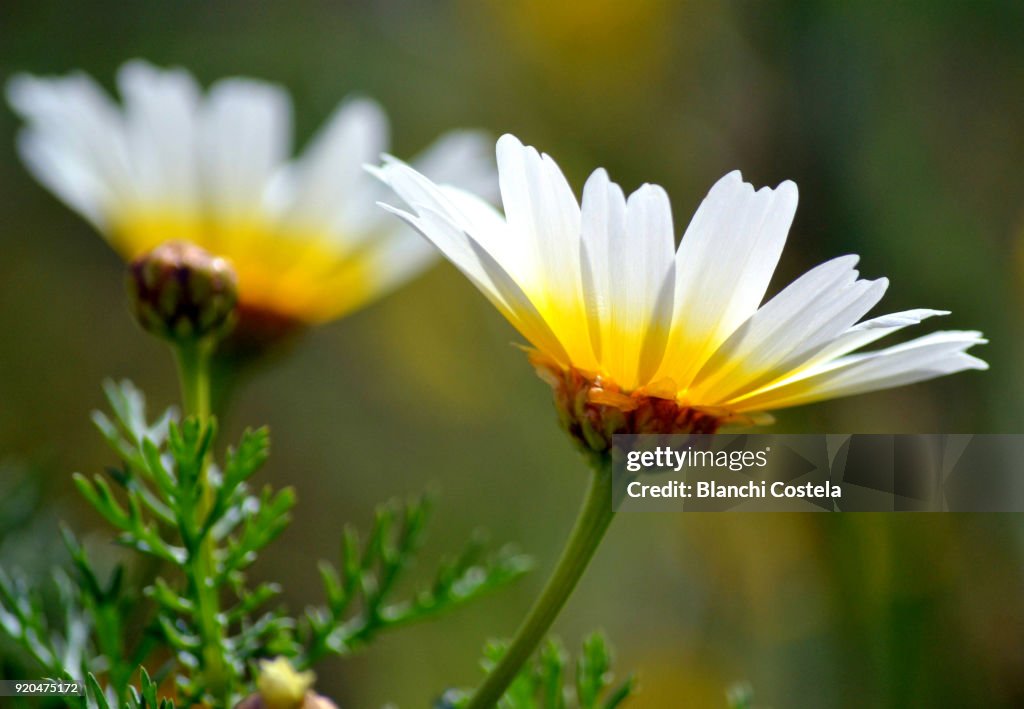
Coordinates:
(591, 523)
(194, 371)
(194, 374)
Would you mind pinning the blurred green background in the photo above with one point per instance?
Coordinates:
(904, 128)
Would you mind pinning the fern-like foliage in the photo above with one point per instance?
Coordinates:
(552, 681)
(58, 642)
(195, 631)
(359, 590)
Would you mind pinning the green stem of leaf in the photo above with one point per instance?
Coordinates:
(194, 371)
(592, 522)
(194, 374)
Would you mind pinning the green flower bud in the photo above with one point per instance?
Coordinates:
(180, 292)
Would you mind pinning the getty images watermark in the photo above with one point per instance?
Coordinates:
(849, 472)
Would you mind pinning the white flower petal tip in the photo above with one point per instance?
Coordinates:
(508, 141)
(395, 210)
(972, 362)
(734, 181)
(165, 160)
(598, 286)
(19, 91)
(375, 171)
(908, 317)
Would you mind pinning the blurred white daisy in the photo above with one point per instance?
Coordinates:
(618, 313)
(214, 168)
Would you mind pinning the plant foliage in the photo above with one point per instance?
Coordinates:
(195, 631)
(552, 681)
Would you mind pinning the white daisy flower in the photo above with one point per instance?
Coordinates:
(214, 168)
(614, 309)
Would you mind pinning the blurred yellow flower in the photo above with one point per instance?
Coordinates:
(595, 42)
(618, 313)
(214, 169)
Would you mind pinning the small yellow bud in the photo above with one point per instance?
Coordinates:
(281, 686)
(180, 292)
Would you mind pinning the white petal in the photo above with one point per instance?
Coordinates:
(627, 263)
(469, 213)
(926, 357)
(454, 243)
(803, 344)
(67, 175)
(435, 215)
(523, 314)
(329, 188)
(788, 330)
(648, 275)
(246, 135)
(485, 224)
(162, 124)
(869, 331)
(464, 159)
(603, 224)
(487, 275)
(452, 222)
(543, 215)
(751, 340)
(724, 264)
(395, 257)
(74, 143)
